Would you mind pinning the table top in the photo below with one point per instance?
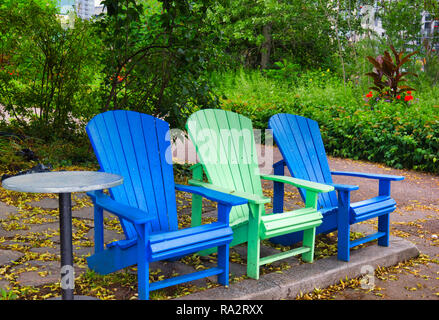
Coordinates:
(62, 181)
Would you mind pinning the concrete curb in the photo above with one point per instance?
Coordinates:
(305, 277)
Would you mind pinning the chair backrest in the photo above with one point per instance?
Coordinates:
(225, 145)
(301, 145)
(137, 147)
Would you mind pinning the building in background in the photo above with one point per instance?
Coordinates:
(428, 28)
(85, 9)
(66, 6)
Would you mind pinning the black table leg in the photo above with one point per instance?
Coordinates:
(65, 226)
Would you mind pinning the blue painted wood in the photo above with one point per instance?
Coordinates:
(345, 187)
(185, 278)
(213, 195)
(300, 143)
(105, 154)
(371, 237)
(278, 188)
(132, 214)
(99, 228)
(137, 147)
(385, 177)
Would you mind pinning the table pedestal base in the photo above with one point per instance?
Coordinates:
(65, 229)
(75, 298)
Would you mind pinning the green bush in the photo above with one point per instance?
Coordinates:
(47, 72)
(398, 135)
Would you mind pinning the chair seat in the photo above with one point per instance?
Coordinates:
(371, 208)
(280, 223)
(366, 209)
(181, 242)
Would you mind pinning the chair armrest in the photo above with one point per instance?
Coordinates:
(196, 166)
(131, 214)
(308, 185)
(252, 198)
(368, 175)
(222, 198)
(344, 187)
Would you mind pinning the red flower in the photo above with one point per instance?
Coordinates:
(408, 98)
(409, 92)
(369, 95)
(398, 97)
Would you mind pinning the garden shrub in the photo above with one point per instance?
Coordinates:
(47, 71)
(399, 135)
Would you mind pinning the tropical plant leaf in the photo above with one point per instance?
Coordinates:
(405, 88)
(407, 58)
(396, 54)
(388, 57)
(374, 62)
(386, 66)
(374, 75)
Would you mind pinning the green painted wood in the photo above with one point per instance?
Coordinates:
(250, 197)
(284, 255)
(253, 241)
(309, 238)
(226, 147)
(294, 213)
(308, 185)
(290, 221)
(289, 229)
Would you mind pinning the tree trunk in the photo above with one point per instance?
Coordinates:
(266, 46)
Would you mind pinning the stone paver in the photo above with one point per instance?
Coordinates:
(414, 226)
(6, 210)
(8, 256)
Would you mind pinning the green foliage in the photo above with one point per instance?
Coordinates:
(284, 71)
(287, 29)
(155, 57)
(10, 160)
(46, 71)
(393, 134)
(7, 295)
(430, 64)
(402, 21)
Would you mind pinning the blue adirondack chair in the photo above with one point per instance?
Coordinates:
(137, 147)
(300, 143)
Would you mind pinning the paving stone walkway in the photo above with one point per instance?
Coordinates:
(29, 240)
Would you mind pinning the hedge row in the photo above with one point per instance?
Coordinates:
(396, 135)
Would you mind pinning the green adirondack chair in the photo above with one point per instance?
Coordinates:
(225, 145)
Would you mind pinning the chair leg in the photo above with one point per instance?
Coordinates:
(343, 226)
(99, 228)
(278, 189)
(254, 243)
(343, 246)
(142, 263)
(384, 226)
(309, 237)
(253, 253)
(143, 278)
(223, 263)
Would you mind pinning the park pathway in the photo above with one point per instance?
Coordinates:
(29, 238)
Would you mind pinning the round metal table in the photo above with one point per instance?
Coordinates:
(64, 183)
